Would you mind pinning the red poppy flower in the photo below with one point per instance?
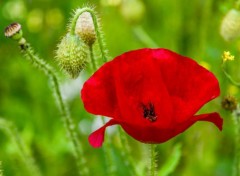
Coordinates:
(152, 93)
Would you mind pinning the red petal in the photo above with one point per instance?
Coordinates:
(98, 93)
(153, 134)
(213, 117)
(97, 137)
(138, 81)
(189, 84)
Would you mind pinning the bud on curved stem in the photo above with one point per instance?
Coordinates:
(97, 29)
(14, 31)
(67, 119)
(85, 28)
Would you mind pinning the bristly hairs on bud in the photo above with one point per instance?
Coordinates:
(67, 119)
(97, 27)
(71, 55)
(85, 28)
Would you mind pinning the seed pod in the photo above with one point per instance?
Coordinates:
(71, 55)
(13, 31)
(230, 27)
(85, 28)
(229, 103)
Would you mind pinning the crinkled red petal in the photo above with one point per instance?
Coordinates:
(177, 87)
(189, 84)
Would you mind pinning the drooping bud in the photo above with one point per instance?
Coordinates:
(13, 31)
(85, 28)
(71, 55)
(230, 27)
(229, 103)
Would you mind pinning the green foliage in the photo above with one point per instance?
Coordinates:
(172, 162)
(190, 28)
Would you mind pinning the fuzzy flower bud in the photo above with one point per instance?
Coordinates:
(14, 31)
(229, 103)
(71, 55)
(230, 27)
(85, 28)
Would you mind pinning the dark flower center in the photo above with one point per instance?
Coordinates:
(149, 112)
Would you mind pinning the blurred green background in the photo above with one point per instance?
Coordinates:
(190, 28)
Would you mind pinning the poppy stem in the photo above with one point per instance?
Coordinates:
(96, 27)
(152, 165)
(12, 132)
(107, 151)
(93, 61)
(67, 120)
(126, 153)
(236, 118)
(1, 171)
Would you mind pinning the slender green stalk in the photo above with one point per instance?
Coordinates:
(1, 170)
(236, 118)
(229, 77)
(152, 164)
(110, 169)
(126, 153)
(103, 50)
(93, 61)
(144, 37)
(67, 120)
(96, 27)
(26, 156)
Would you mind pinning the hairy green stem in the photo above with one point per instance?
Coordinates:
(27, 158)
(93, 61)
(236, 119)
(67, 120)
(152, 165)
(96, 27)
(126, 153)
(1, 171)
(110, 170)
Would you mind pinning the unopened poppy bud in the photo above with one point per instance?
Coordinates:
(230, 27)
(13, 31)
(71, 55)
(229, 103)
(85, 28)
